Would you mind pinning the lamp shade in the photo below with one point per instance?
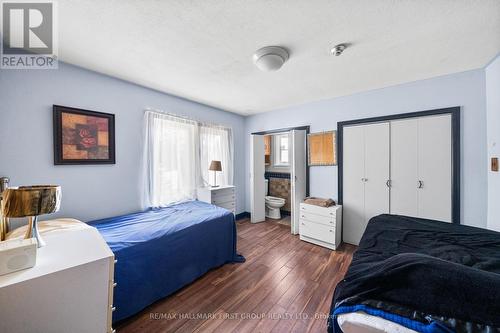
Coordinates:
(215, 166)
(31, 200)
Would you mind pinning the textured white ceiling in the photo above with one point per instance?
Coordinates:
(202, 49)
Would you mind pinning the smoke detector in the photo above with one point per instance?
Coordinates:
(338, 49)
(270, 58)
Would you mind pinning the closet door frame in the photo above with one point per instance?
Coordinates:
(306, 128)
(455, 149)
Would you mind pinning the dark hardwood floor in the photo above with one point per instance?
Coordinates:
(286, 285)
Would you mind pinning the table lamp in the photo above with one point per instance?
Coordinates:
(31, 202)
(215, 166)
(4, 184)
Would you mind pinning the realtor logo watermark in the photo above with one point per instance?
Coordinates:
(29, 35)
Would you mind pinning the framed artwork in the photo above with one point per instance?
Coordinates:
(322, 148)
(83, 136)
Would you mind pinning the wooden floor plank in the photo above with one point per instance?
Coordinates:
(285, 285)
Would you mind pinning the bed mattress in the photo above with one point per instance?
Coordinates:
(360, 322)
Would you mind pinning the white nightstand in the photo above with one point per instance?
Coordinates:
(321, 225)
(223, 196)
(70, 289)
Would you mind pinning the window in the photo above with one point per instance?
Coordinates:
(169, 159)
(177, 152)
(216, 144)
(282, 156)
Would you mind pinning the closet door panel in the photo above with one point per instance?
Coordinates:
(257, 182)
(403, 191)
(298, 176)
(353, 185)
(434, 167)
(377, 154)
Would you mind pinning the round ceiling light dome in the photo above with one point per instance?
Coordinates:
(270, 58)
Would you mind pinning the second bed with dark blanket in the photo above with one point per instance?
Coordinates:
(426, 275)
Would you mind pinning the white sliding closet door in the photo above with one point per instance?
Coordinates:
(298, 175)
(377, 156)
(257, 180)
(353, 185)
(404, 173)
(401, 167)
(366, 153)
(434, 167)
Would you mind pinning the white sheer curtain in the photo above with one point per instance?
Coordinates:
(177, 153)
(170, 160)
(216, 143)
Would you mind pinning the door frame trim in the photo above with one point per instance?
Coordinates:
(253, 186)
(455, 148)
(306, 128)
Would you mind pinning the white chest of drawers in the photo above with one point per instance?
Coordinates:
(321, 225)
(70, 289)
(222, 196)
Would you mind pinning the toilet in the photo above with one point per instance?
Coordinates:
(273, 204)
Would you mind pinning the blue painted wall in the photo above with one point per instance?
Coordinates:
(91, 192)
(466, 90)
(493, 124)
(94, 191)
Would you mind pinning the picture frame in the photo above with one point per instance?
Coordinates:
(83, 136)
(322, 148)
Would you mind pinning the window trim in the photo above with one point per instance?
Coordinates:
(277, 148)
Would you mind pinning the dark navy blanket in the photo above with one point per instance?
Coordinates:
(161, 250)
(426, 275)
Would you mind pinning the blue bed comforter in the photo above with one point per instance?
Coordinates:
(161, 250)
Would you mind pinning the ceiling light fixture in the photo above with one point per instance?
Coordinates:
(270, 58)
(338, 49)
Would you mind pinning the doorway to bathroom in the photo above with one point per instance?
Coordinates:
(278, 175)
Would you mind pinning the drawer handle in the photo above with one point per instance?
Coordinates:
(331, 230)
(303, 223)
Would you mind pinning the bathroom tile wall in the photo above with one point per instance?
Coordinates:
(280, 188)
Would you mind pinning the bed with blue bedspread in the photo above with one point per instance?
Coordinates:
(159, 251)
(424, 275)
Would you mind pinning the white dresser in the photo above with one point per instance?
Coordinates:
(70, 289)
(321, 225)
(223, 196)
